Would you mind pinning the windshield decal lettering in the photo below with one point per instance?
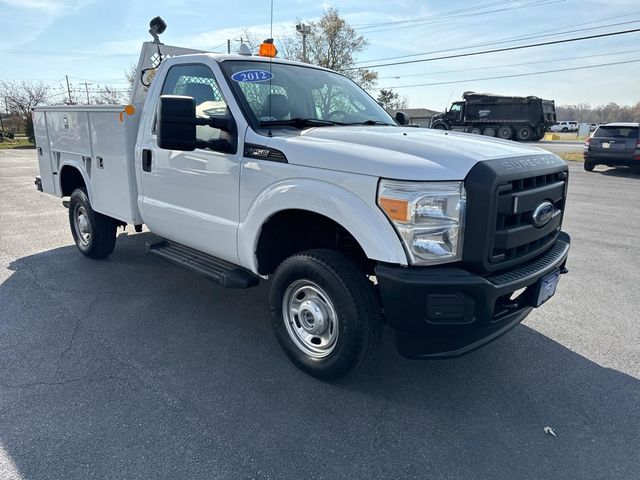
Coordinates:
(252, 76)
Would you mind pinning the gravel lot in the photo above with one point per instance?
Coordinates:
(133, 368)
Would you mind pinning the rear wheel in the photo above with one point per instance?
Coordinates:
(588, 166)
(476, 130)
(325, 313)
(489, 132)
(505, 132)
(94, 233)
(524, 134)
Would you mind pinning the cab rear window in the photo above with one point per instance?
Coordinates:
(617, 132)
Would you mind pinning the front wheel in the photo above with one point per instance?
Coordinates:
(325, 313)
(588, 166)
(94, 233)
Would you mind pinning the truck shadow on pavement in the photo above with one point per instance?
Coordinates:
(133, 368)
(622, 172)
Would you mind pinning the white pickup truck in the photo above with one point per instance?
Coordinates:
(248, 168)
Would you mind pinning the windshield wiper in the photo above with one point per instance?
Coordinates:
(300, 122)
(369, 122)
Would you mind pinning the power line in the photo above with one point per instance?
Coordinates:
(471, 14)
(436, 15)
(516, 74)
(495, 50)
(443, 15)
(540, 34)
(485, 67)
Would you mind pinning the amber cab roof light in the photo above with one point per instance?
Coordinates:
(267, 48)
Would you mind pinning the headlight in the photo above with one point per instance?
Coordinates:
(428, 216)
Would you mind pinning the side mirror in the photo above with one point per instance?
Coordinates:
(177, 123)
(402, 118)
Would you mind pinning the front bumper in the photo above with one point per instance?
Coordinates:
(447, 311)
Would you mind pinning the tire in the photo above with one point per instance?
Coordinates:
(565, 130)
(476, 131)
(636, 169)
(524, 134)
(505, 132)
(94, 233)
(343, 325)
(588, 166)
(489, 132)
(440, 127)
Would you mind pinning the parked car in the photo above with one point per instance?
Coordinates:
(4, 135)
(564, 127)
(613, 144)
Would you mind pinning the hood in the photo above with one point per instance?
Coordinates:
(395, 152)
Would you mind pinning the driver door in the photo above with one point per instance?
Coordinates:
(192, 197)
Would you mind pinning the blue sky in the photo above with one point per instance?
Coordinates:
(96, 40)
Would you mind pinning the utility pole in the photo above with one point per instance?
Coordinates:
(68, 90)
(304, 30)
(86, 89)
(228, 45)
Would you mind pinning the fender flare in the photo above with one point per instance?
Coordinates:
(366, 223)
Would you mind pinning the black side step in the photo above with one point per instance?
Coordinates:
(222, 272)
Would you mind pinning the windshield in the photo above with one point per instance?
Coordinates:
(282, 94)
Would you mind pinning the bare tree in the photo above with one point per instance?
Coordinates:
(21, 97)
(109, 96)
(333, 44)
(391, 100)
(612, 112)
(130, 74)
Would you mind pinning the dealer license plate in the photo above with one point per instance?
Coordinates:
(547, 287)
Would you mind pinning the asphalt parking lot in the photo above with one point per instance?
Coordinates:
(133, 368)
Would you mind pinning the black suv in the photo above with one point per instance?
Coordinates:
(613, 144)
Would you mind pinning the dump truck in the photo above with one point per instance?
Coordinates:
(509, 118)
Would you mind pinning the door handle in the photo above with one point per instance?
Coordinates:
(146, 160)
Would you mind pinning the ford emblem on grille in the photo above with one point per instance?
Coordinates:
(542, 214)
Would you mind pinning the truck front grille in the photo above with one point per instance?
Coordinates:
(515, 235)
(502, 196)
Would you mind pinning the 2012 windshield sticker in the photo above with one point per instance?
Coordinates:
(252, 76)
